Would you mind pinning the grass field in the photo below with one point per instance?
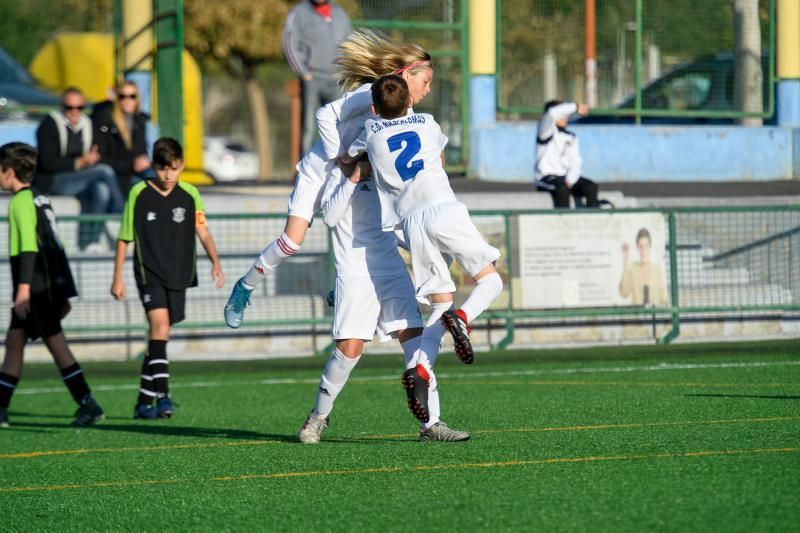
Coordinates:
(687, 437)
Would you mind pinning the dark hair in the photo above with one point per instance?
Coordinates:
(167, 150)
(21, 157)
(390, 96)
(643, 234)
(551, 103)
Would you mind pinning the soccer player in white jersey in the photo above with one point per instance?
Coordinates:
(405, 151)
(373, 291)
(362, 58)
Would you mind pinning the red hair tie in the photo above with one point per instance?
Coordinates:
(420, 63)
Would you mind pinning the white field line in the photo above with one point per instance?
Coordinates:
(443, 375)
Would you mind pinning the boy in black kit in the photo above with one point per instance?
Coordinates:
(162, 216)
(42, 283)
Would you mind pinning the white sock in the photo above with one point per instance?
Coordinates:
(334, 376)
(434, 410)
(410, 348)
(485, 292)
(272, 256)
(431, 340)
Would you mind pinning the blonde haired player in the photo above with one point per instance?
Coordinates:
(362, 58)
(405, 152)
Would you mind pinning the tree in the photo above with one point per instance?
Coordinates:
(240, 36)
(747, 47)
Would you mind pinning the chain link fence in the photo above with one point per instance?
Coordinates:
(720, 265)
(652, 58)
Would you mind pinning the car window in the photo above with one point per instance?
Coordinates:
(688, 92)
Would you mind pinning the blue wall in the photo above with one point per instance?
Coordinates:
(504, 151)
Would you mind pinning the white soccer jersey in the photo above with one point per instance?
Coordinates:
(342, 121)
(360, 246)
(557, 151)
(406, 158)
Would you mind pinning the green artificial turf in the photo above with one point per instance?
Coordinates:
(606, 439)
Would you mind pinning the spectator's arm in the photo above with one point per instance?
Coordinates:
(574, 163)
(290, 42)
(547, 124)
(47, 142)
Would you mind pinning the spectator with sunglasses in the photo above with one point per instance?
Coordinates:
(69, 165)
(119, 129)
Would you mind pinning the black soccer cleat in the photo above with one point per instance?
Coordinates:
(456, 323)
(88, 413)
(416, 385)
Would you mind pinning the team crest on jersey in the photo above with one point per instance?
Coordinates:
(178, 214)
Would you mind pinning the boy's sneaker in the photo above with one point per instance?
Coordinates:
(144, 411)
(456, 323)
(440, 432)
(415, 381)
(164, 407)
(238, 300)
(88, 413)
(4, 417)
(313, 427)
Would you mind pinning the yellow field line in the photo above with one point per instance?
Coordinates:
(409, 469)
(253, 442)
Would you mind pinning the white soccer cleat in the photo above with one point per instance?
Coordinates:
(312, 430)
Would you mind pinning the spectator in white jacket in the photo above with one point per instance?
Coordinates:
(558, 158)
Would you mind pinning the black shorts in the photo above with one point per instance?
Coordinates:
(43, 320)
(160, 297)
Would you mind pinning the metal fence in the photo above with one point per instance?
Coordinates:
(653, 59)
(721, 264)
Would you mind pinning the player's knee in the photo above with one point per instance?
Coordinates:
(350, 348)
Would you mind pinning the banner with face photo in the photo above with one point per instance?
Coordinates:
(593, 260)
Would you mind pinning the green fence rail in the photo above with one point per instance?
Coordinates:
(653, 59)
(720, 264)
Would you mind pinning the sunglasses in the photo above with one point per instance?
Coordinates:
(74, 107)
(132, 96)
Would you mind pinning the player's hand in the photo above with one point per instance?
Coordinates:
(22, 304)
(141, 163)
(347, 159)
(118, 289)
(218, 276)
(583, 110)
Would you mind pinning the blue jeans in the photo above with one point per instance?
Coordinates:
(315, 94)
(98, 192)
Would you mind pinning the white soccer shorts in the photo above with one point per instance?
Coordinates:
(366, 306)
(444, 229)
(312, 172)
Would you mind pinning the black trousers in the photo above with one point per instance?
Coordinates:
(584, 191)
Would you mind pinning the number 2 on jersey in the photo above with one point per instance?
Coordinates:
(412, 148)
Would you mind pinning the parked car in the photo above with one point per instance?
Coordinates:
(20, 95)
(228, 160)
(706, 84)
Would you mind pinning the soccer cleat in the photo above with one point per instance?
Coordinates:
(238, 301)
(456, 323)
(4, 417)
(440, 432)
(313, 427)
(144, 411)
(164, 407)
(88, 413)
(415, 381)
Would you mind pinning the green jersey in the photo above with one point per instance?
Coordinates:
(36, 253)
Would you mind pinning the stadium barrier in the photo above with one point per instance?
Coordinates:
(717, 272)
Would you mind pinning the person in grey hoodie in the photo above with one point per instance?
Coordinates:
(313, 30)
(68, 164)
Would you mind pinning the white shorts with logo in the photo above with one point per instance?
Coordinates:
(365, 306)
(444, 229)
(312, 172)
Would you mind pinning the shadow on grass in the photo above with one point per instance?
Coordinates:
(751, 396)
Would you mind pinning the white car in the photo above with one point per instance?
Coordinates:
(229, 160)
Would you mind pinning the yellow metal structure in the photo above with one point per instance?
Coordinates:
(86, 60)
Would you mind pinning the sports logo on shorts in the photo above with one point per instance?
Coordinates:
(146, 298)
(178, 214)
(151, 216)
